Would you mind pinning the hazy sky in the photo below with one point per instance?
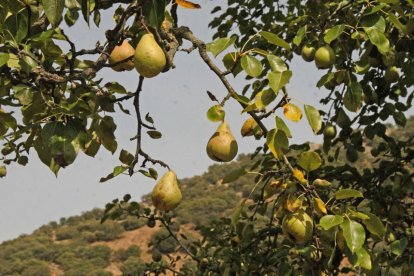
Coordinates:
(32, 196)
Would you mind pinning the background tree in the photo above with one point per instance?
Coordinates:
(363, 211)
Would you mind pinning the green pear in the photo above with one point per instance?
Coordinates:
(149, 58)
(324, 57)
(298, 227)
(308, 53)
(166, 194)
(391, 74)
(121, 52)
(222, 146)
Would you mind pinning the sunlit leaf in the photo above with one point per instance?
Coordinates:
(276, 63)
(292, 112)
(277, 80)
(354, 234)
(334, 33)
(309, 161)
(298, 174)
(320, 205)
(53, 10)
(280, 125)
(329, 221)
(314, 118)
(251, 66)
(187, 4)
(277, 142)
(397, 247)
(275, 39)
(219, 45)
(348, 193)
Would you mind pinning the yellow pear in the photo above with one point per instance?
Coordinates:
(166, 194)
(298, 227)
(222, 146)
(149, 58)
(324, 57)
(121, 52)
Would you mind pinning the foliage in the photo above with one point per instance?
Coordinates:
(133, 266)
(53, 102)
(131, 251)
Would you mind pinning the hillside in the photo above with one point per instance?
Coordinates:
(81, 245)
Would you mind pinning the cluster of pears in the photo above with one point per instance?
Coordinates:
(222, 146)
(149, 59)
(324, 56)
(166, 194)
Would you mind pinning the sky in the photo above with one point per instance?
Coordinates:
(31, 196)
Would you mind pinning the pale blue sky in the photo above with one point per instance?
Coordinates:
(32, 196)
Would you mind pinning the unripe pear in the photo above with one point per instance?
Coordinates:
(149, 58)
(222, 146)
(329, 132)
(324, 57)
(308, 53)
(124, 51)
(250, 127)
(391, 74)
(166, 194)
(298, 227)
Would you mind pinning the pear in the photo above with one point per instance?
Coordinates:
(125, 50)
(324, 57)
(149, 58)
(166, 194)
(222, 146)
(298, 227)
(308, 53)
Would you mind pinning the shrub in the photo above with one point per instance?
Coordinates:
(132, 251)
(162, 241)
(109, 231)
(132, 223)
(133, 267)
(65, 233)
(99, 272)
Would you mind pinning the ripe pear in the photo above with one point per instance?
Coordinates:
(308, 53)
(149, 58)
(125, 50)
(298, 227)
(166, 194)
(250, 127)
(222, 146)
(324, 57)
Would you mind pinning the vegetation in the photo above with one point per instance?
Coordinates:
(355, 193)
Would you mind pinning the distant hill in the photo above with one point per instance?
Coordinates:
(81, 245)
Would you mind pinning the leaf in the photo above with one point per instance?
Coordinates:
(234, 175)
(374, 225)
(187, 4)
(3, 171)
(105, 131)
(397, 23)
(321, 183)
(354, 234)
(277, 142)
(148, 174)
(276, 63)
(251, 66)
(53, 10)
(277, 80)
(353, 97)
(236, 215)
(126, 157)
(216, 113)
(334, 33)
(320, 205)
(86, 11)
(379, 39)
(299, 36)
(229, 61)
(219, 45)
(153, 11)
(117, 171)
(149, 119)
(329, 221)
(348, 193)
(264, 98)
(314, 118)
(275, 39)
(397, 247)
(309, 161)
(153, 173)
(298, 174)
(115, 87)
(4, 57)
(280, 125)
(154, 134)
(363, 259)
(292, 112)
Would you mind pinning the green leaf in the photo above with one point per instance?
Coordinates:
(329, 221)
(115, 87)
(374, 225)
(264, 98)
(310, 161)
(277, 80)
(348, 193)
(219, 45)
(125, 157)
(154, 134)
(23, 94)
(234, 175)
(53, 10)
(3, 171)
(216, 113)
(353, 97)
(106, 133)
(7, 119)
(86, 10)
(363, 259)
(379, 39)
(397, 247)
(397, 23)
(275, 39)
(251, 66)
(276, 63)
(280, 125)
(299, 36)
(153, 173)
(117, 171)
(354, 234)
(374, 22)
(314, 118)
(4, 57)
(149, 174)
(277, 142)
(229, 60)
(149, 119)
(334, 33)
(153, 11)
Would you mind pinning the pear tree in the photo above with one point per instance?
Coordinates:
(312, 209)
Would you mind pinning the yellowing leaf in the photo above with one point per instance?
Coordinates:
(320, 205)
(187, 4)
(293, 203)
(298, 174)
(292, 112)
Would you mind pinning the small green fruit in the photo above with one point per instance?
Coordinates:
(392, 74)
(298, 227)
(166, 195)
(222, 146)
(149, 58)
(329, 132)
(308, 53)
(324, 57)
